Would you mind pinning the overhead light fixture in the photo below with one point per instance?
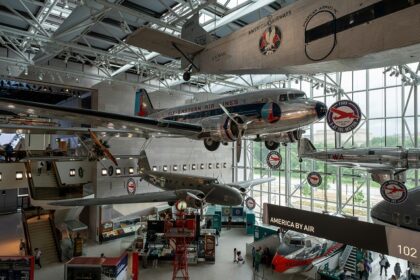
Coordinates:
(118, 171)
(26, 71)
(1, 176)
(131, 170)
(194, 166)
(210, 166)
(72, 172)
(184, 167)
(217, 165)
(202, 166)
(175, 168)
(165, 168)
(154, 168)
(19, 175)
(66, 4)
(104, 171)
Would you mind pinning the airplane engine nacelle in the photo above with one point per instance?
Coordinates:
(271, 112)
(222, 128)
(289, 137)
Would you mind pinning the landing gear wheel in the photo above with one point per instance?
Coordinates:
(271, 145)
(186, 76)
(211, 145)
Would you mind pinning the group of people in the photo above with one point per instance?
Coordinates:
(37, 252)
(261, 256)
(384, 264)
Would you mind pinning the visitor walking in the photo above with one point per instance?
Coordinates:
(384, 263)
(397, 270)
(234, 255)
(38, 254)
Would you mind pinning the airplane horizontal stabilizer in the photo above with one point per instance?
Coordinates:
(251, 183)
(163, 43)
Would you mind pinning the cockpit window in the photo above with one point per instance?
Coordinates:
(298, 95)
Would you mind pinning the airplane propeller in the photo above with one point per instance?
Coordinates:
(201, 200)
(241, 127)
(102, 147)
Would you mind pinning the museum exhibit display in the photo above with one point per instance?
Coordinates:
(209, 139)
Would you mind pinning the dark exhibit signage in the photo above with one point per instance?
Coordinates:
(397, 242)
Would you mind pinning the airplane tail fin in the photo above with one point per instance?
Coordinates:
(305, 147)
(143, 106)
(192, 31)
(143, 162)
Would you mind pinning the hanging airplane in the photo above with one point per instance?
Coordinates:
(298, 251)
(195, 190)
(308, 36)
(384, 164)
(405, 214)
(274, 116)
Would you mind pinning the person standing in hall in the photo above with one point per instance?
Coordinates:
(253, 256)
(360, 269)
(397, 270)
(22, 246)
(38, 254)
(384, 264)
(257, 259)
(234, 255)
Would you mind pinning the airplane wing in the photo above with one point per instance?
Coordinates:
(251, 183)
(162, 42)
(39, 129)
(160, 196)
(144, 125)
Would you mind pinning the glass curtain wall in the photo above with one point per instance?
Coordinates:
(389, 102)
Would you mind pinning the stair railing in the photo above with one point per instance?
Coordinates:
(345, 256)
(54, 233)
(28, 244)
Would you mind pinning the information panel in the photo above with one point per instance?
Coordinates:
(389, 240)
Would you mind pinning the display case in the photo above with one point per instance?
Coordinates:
(113, 230)
(209, 247)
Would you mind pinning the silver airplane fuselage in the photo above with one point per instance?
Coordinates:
(215, 192)
(369, 158)
(296, 111)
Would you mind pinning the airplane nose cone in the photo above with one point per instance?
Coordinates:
(321, 110)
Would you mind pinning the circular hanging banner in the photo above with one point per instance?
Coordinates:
(181, 205)
(270, 40)
(250, 203)
(344, 116)
(314, 179)
(274, 159)
(394, 191)
(131, 186)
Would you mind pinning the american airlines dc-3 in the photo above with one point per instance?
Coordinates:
(274, 116)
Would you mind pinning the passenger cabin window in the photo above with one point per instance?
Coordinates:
(299, 95)
(407, 220)
(283, 97)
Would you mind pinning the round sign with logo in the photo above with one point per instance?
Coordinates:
(274, 159)
(250, 203)
(131, 186)
(394, 191)
(314, 179)
(270, 40)
(344, 116)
